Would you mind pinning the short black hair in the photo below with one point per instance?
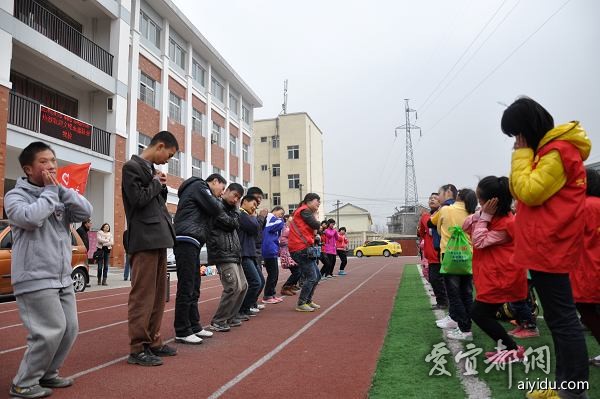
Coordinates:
(165, 137)
(527, 117)
(105, 224)
(237, 187)
(330, 220)
(342, 228)
(28, 154)
(450, 187)
(309, 197)
(324, 222)
(593, 182)
(216, 176)
(248, 198)
(496, 187)
(432, 194)
(277, 208)
(469, 197)
(255, 190)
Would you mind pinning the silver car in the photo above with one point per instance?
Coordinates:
(172, 267)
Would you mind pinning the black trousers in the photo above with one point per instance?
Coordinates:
(294, 278)
(556, 297)
(325, 261)
(590, 316)
(484, 315)
(272, 267)
(437, 283)
(187, 316)
(343, 259)
(460, 299)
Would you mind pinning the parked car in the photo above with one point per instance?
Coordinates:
(80, 273)
(172, 267)
(378, 248)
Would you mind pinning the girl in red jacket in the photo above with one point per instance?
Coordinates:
(585, 277)
(497, 280)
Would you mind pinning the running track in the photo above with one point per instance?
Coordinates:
(328, 353)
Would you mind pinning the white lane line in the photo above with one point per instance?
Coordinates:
(285, 343)
(101, 327)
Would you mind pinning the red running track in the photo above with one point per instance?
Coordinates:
(328, 353)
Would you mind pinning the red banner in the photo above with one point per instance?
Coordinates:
(74, 176)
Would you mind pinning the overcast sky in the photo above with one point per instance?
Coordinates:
(350, 65)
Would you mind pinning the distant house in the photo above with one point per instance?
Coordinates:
(352, 217)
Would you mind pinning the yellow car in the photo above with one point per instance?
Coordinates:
(378, 248)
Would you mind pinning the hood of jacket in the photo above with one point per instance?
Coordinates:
(192, 180)
(573, 133)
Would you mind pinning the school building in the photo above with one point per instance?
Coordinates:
(96, 79)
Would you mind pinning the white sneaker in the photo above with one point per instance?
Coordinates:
(254, 310)
(192, 339)
(447, 323)
(260, 306)
(204, 334)
(459, 335)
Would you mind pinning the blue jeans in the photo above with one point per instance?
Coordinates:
(255, 283)
(310, 275)
(460, 299)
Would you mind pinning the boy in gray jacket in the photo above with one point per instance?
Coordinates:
(40, 212)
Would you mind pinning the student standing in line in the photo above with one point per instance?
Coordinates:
(270, 253)
(104, 243)
(341, 246)
(247, 233)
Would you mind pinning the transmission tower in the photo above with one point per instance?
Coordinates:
(411, 197)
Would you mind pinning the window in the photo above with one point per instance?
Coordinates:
(293, 181)
(275, 141)
(196, 121)
(292, 208)
(149, 29)
(276, 199)
(245, 115)
(147, 89)
(196, 167)
(246, 183)
(264, 167)
(234, 104)
(276, 169)
(266, 195)
(216, 135)
(218, 91)
(293, 152)
(198, 73)
(176, 53)
(175, 164)
(232, 179)
(245, 155)
(232, 145)
(217, 171)
(263, 139)
(143, 142)
(174, 107)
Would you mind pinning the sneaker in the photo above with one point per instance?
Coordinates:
(34, 391)
(514, 331)
(323, 279)
(447, 323)
(164, 351)
(254, 310)
(270, 300)
(305, 308)
(191, 339)
(595, 361)
(56, 382)
(526, 333)
(234, 322)
(204, 333)
(506, 356)
(260, 306)
(543, 394)
(458, 335)
(144, 358)
(249, 313)
(242, 317)
(314, 305)
(439, 307)
(296, 288)
(287, 291)
(220, 327)
(342, 273)
(278, 299)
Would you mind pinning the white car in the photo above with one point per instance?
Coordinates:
(171, 266)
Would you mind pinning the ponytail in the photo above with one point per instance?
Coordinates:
(496, 187)
(469, 197)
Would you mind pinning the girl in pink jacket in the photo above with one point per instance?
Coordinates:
(331, 237)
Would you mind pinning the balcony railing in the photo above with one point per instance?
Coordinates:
(48, 24)
(25, 112)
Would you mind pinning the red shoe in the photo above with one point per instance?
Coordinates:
(506, 356)
(526, 333)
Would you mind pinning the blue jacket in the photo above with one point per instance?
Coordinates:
(270, 237)
(247, 233)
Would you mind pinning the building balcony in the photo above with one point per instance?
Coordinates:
(40, 18)
(31, 115)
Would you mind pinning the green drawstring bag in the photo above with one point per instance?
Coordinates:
(459, 254)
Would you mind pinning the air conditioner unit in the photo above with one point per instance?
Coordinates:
(214, 138)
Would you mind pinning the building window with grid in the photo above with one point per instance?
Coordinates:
(276, 199)
(149, 29)
(175, 164)
(217, 171)
(275, 141)
(234, 105)
(232, 179)
(174, 107)
(264, 139)
(215, 137)
(218, 91)
(143, 142)
(245, 183)
(293, 152)
(245, 153)
(292, 208)
(294, 181)
(176, 53)
(198, 73)
(264, 168)
(196, 167)
(147, 89)
(233, 145)
(245, 115)
(276, 169)
(196, 121)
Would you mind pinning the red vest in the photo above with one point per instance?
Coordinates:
(549, 237)
(585, 277)
(296, 243)
(496, 278)
(429, 251)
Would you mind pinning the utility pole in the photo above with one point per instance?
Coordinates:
(411, 197)
(285, 96)
(337, 211)
(300, 187)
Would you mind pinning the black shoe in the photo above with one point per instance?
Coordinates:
(56, 382)
(234, 322)
(164, 351)
(242, 317)
(248, 313)
(145, 358)
(34, 391)
(221, 327)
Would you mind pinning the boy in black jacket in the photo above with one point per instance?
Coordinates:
(225, 251)
(198, 203)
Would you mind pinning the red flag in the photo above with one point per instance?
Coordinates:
(74, 176)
